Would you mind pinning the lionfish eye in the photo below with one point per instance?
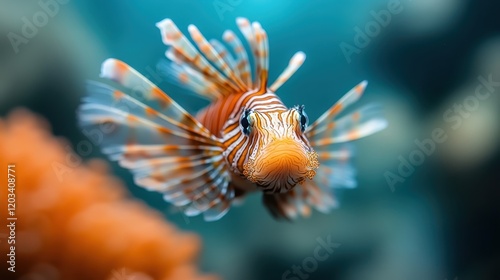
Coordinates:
(304, 120)
(245, 121)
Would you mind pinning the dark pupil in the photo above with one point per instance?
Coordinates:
(245, 124)
(303, 120)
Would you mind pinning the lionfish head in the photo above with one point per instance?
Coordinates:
(280, 154)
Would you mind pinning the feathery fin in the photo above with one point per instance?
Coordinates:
(183, 51)
(261, 56)
(166, 149)
(242, 62)
(211, 71)
(328, 138)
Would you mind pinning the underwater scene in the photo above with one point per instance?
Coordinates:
(249, 140)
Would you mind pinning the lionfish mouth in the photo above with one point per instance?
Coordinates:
(280, 166)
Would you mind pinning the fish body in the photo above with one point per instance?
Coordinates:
(246, 140)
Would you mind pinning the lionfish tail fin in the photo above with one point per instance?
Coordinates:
(165, 148)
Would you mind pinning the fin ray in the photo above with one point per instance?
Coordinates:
(359, 124)
(166, 149)
(295, 62)
(242, 62)
(349, 98)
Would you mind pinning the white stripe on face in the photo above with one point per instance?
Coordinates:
(278, 156)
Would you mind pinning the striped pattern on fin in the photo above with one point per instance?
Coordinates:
(226, 56)
(329, 138)
(349, 98)
(185, 76)
(356, 125)
(242, 62)
(335, 170)
(182, 51)
(295, 62)
(261, 56)
(334, 153)
(207, 68)
(246, 29)
(326, 131)
(165, 148)
(300, 200)
(213, 56)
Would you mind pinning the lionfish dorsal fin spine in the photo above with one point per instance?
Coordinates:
(261, 56)
(295, 62)
(242, 62)
(184, 53)
(213, 56)
(207, 68)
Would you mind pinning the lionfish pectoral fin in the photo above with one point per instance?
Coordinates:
(326, 130)
(330, 137)
(165, 148)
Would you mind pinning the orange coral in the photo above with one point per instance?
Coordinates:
(73, 220)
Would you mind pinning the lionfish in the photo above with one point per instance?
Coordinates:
(245, 140)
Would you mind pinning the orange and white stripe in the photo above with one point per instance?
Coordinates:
(202, 163)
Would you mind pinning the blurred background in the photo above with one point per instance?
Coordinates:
(440, 222)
